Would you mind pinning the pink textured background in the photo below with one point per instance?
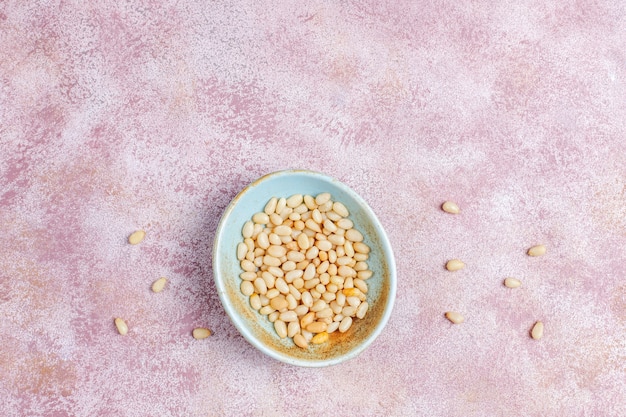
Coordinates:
(155, 114)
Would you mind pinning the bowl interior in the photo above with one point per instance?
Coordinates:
(257, 329)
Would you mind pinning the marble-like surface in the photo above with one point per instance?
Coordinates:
(144, 114)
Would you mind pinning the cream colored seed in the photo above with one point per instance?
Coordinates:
(293, 328)
(331, 215)
(275, 219)
(276, 271)
(301, 310)
(330, 226)
(300, 341)
(279, 302)
(455, 317)
(360, 285)
(288, 316)
(364, 275)
(270, 207)
(309, 201)
(345, 224)
(136, 237)
(292, 302)
(538, 250)
(273, 316)
(455, 265)
(282, 230)
(317, 216)
(255, 301)
(247, 288)
(121, 325)
(322, 198)
(345, 324)
(276, 251)
(281, 328)
(450, 207)
(512, 282)
(248, 276)
(311, 224)
(317, 327)
(340, 209)
(274, 239)
(354, 235)
(307, 319)
(159, 284)
(295, 200)
(537, 331)
(324, 245)
(201, 333)
(312, 253)
(271, 261)
(258, 228)
(260, 285)
(303, 241)
(242, 249)
(361, 310)
(272, 293)
(332, 327)
(261, 218)
(361, 247)
(248, 266)
(265, 310)
(281, 204)
(301, 209)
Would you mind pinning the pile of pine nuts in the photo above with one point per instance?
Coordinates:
(305, 267)
(510, 282)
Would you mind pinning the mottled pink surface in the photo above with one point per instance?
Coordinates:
(155, 114)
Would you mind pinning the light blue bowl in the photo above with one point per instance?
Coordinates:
(257, 329)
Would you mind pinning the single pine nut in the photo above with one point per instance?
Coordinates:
(309, 201)
(136, 237)
(270, 207)
(295, 200)
(303, 241)
(276, 220)
(322, 198)
(260, 285)
(278, 303)
(361, 310)
(538, 250)
(281, 328)
(248, 229)
(317, 327)
(354, 235)
(364, 275)
(345, 324)
(340, 209)
(121, 325)
(265, 310)
(455, 317)
(242, 249)
(201, 333)
(261, 218)
(247, 288)
(512, 283)
(159, 284)
(255, 301)
(537, 331)
(300, 341)
(320, 338)
(450, 207)
(282, 230)
(455, 265)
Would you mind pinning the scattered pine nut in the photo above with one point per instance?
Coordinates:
(512, 282)
(201, 333)
(455, 265)
(159, 284)
(538, 250)
(537, 331)
(320, 338)
(136, 237)
(121, 325)
(455, 317)
(450, 207)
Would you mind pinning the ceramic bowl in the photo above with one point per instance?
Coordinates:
(257, 329)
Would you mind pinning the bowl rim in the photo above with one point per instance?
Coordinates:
(236, 318)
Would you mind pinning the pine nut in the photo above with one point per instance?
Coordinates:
(317, 327)
(322, 198)
(309, 201)
(122, 327)
(364, 275)
(288, 316)
(260, 285)
(450, 207)
(332, 327)
(282, 230)
(300, 341)
(295, 200)
(270, 207)
(354, 235)
(159, 284)
(361, 310)
(537, 331)
(512, 282)
(538, 250)
(278, 302)
(255, 301)
(247, 288)
(281, 328)
(136, 237)
(361, 247)
(307, 319)
(340, 209)
(320, 338)
(455, 265)
(261, 218)
(345, 324)
(201, 333)
(455, 317)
